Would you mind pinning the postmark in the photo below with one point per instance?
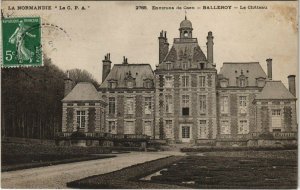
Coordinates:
(21, 42)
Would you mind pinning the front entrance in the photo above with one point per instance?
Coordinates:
(186, 133)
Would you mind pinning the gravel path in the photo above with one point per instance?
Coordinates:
(57, 176)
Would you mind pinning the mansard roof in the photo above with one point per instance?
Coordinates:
(251, 70)
(83, 91)
(120, 73)
(274, 90)
(185, 47)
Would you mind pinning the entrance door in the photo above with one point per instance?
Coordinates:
(185, 133)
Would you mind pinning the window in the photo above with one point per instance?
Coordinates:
(81, 119)
(169, 129)
(185, 34)
(147, 128)
(202, 81)
(242, 83)
(225, 128)
(185, 81)
(129, 105)
(112, 84)
(203, 131)
(148, 105)
(148, 84)
(185, 66)
(130, 84)
(276, 112)
(169, 104)
(112, 127)
(111, 105)
(243, 104)
(168, 82)
(169, 66)
(276, 120)
(201, 65)
(202, 102)
(224, 104)
(185, 105)
(129, 127)
(243, 127)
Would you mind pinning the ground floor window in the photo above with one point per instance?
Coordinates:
(169, 129)
(112, 127)
(203, 131)
(81, 119)
(148, 128)
(225, 128)
(243, 127)
(276, 120)
(129, 127)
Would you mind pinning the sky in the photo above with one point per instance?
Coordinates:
(119, 29)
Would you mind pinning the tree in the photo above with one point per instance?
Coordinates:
(78, 75)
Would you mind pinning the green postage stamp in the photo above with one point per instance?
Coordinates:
(21, 42)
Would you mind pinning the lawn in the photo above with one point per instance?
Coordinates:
(213, 170)
(21, 156)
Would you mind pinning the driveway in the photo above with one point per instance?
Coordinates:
(57, 176)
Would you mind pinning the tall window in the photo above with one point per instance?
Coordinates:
(202, 81)
(243, 127)
(202, 102)
(203, 132)
(169, 104)
(112, 127)
(225, 128)
(185, 105)
(111, 105)
(243, 104)
(185, 81)
(276, 121)
(147, 128)
(129, 105)
(169, 128)
(185, 66)
(148, 105)
(242, 83)
(224, 104)
(168, 82)
(81, 119)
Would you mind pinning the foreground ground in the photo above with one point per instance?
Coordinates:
(57, 176)
(231, 170)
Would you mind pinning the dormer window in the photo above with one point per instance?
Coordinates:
(168, 66)
(112, 84)
(130, 84)
(260, 82)
(185, 66)
(148, 83)
(223, 82)
(201, 65)
(242, 83)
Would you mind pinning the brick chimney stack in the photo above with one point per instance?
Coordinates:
(269, 66)
(163, 45)
(292, 84)
(68, 84)
(210, 48)
(125, 60)
(106, 66)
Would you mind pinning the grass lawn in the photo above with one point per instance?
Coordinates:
(213, 170)
(21, 156)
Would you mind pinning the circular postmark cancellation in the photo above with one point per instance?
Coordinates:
(24, 40)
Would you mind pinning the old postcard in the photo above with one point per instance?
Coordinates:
(149, 94)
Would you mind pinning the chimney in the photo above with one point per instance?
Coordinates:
(269, 66)
(163, 45)
(210, 48)
(68, 84)
(292, 84)
(125, 61)
(106, 66)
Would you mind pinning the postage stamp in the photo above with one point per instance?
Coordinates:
(21, 42)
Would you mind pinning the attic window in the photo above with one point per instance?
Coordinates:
(168, 66)
(148, 84)
(130, 84)
(242, 83)
(112, 84)
(201, 65)
(185, 66)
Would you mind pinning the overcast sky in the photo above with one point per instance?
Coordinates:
(118, 28)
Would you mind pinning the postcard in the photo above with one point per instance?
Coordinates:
(149, 94)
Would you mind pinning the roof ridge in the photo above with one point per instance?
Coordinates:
(240, 62)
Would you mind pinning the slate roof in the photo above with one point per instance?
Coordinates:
(191, 50)
(120, 71)
(252, 70)
(83, 91)
(274, 90)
